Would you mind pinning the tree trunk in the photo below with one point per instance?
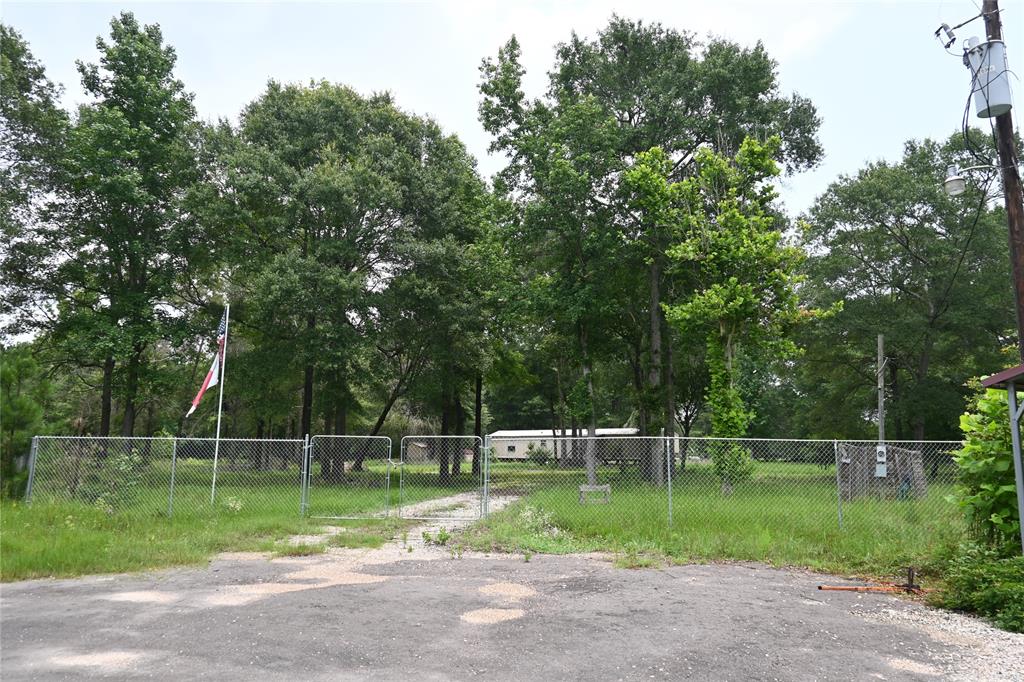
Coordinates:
(478, 412)
(654, 314)
(922, 375)
(105, 396)
(307, 401)
(307, 386)
(444, 473)
(894, 392)
(670, 399)
(554, 433)
(341, 419)
(460, 430)
(638, 386)
(131, 389)
(264, 460)
(591, 457)
(566, 458)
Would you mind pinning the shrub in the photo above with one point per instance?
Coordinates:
(112, 482)
(986, 488)
(732, 464)
(982, 581)
(538, 455)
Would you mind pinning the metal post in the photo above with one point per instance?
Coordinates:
(401, 474)
(307, 453)
(1011, 396)
(387, 481)
(220, 400)
(839, 485)
(485, 470)
(668, 460)
(174, 463)
(33, 452)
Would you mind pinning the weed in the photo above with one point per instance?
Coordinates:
(299, 550)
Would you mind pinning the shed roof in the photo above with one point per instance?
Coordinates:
(1003, 379)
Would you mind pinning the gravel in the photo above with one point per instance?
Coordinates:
(979, 651)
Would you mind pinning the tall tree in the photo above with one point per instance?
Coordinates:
(634, 87)
(32, 127)
(926, 270)
(745, 297)
(116, 236)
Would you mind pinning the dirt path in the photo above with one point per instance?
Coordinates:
(451, 513)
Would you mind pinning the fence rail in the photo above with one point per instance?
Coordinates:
(684, 485)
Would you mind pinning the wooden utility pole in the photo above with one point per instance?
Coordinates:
(880, 371)
(1011, 181)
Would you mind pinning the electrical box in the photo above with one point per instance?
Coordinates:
(990, 82)
(881, 465)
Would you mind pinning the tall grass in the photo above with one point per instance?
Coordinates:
(786, 515)
(54, 536)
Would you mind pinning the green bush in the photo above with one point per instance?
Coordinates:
(732, 464)
(537, 454)
(980, 580)
(986, 488)
(112, 482)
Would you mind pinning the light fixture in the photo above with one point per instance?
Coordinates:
(954, 184)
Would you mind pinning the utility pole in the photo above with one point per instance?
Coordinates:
(1011, 181)
(881, 388)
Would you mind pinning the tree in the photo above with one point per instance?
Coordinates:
(23, 392)
(32, 128)
(745, 294)
(115, 239)
(926, 270)
(634, 87)
(357, 257)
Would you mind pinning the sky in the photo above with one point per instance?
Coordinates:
(874, 70)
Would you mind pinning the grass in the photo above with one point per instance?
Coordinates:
(71, 539)
(53, 537)
(304, 549)
(785, 516)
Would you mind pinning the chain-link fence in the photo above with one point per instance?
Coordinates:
(441, 477)
(598, 481)
(708, 490)
(348, 477)
(703, 490)
(167, 475)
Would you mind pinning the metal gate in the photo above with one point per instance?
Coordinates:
(347, 477)
(442, 477)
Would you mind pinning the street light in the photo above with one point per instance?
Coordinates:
(954, 184)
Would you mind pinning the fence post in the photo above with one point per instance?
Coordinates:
(839, 485)
(307, 453)
(488, 453)
(32, 453)
(668, 477)
(387, 480)
(174, 463)
(401, 474)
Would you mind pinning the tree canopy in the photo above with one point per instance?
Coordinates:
(629, 266)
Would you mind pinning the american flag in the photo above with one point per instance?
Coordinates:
(213, 376)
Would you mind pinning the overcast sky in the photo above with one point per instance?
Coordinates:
(873, 69)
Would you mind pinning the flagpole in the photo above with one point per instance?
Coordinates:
(220, 400)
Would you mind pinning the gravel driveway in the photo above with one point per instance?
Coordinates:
(390, 613)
